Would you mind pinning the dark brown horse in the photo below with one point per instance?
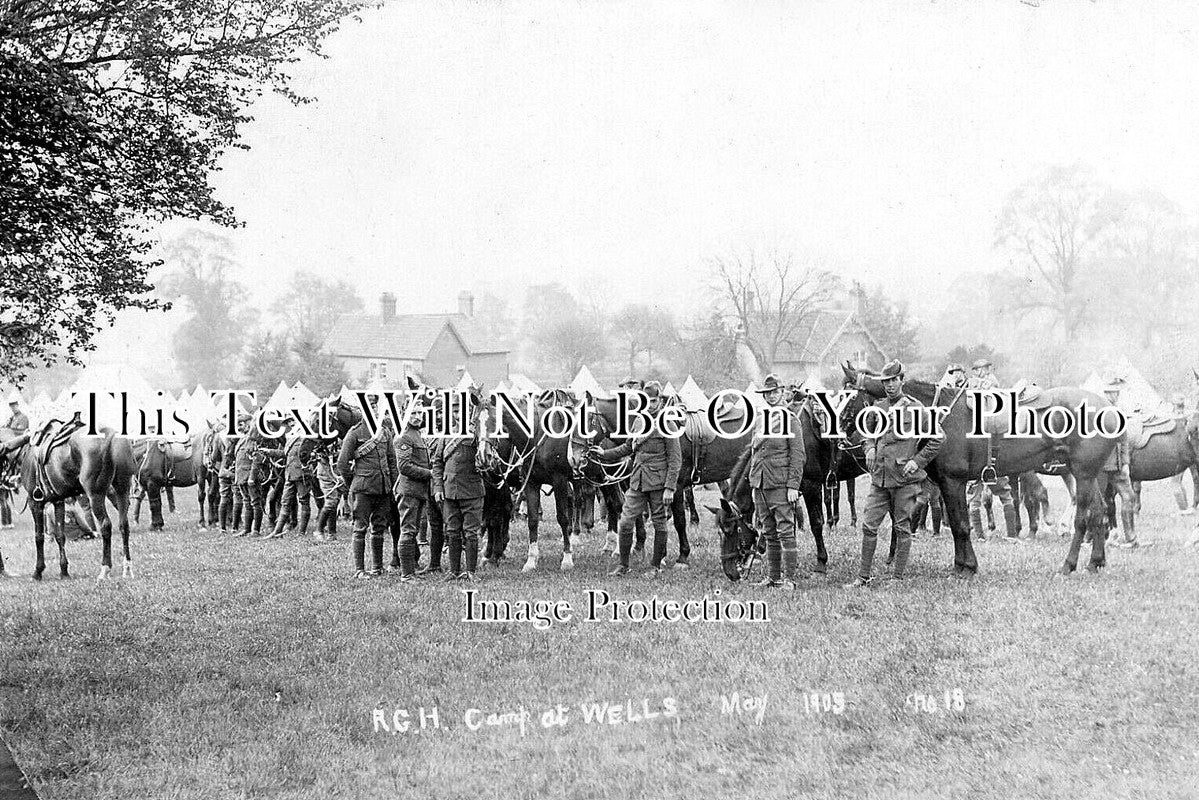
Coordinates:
(169, 462)
(59, 462)
(962, 459)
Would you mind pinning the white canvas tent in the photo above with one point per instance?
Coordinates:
(669, 391)
(280, 399)
(466, 381)
(522, 384)
(585, 382)
(303, 397)
(692, 396)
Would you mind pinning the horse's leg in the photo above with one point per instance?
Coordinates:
(60, 537)
(612, 502)
(814, 502)
(850, 491)
(953, 492)
(39, 538)
(170, 499)
(1086, 496)
(154, 492)
(564, 505)
(692, 512)
(533, 517)
(202, 498)
(678, 512)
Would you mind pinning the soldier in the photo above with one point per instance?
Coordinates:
(243, 465)
(230, 508)
(367, 465)
(657, 460)
(331, 489)
(776, 465)
(412, 490)
(458, 487)
(631, 384)
(896, 464)
(984, 379)
(1116, 475)
(435, 522)
(297, 487)
(18, 423)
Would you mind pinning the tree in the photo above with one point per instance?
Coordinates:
(642, 329)
(211, 338)
(311, 305)
(891, 325)
(567, 343)
(113, 115)
(771, 296)
(268, 360)
(1051, 225)
(707, 350)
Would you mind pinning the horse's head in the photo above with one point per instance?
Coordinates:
(737, 536)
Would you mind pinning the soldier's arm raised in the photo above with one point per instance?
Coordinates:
(616, 453)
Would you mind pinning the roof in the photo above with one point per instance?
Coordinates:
(405, 336)
(817, 333)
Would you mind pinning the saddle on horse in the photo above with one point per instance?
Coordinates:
(1140, 428)
(53, 435)
(174, 451)
(698, 431)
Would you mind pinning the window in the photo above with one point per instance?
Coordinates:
(378, 371)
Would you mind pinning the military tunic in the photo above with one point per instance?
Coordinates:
(891, 491)
(457, 481)
(657, 460)
(368, 466)
(776, 465)
(412, 489)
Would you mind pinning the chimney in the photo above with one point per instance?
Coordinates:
(387, 305)
(466, 304)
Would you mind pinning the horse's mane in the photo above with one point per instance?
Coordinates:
(740, 471)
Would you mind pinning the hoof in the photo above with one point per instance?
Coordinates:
(680, 564)
(127, 570)
(820, 569)
(1065, 571)
(530, 565)
(103, 574)
(568, 562)
(64, 576)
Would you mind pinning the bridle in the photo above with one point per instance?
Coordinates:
(610, 474)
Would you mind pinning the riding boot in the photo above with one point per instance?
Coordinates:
(936, 514)
(359, 555)
(472, 555)
(869, 543)
(305, 515)
(626, 547)
(333, 527)
(408, 556)
(790, 560)
(376, 553)
(396, 561)
(455, 555)
(774, 560)
(902, 550)
(1012, 520)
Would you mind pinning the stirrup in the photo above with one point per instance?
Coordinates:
(988, 476)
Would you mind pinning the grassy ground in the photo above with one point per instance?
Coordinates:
(229, 668)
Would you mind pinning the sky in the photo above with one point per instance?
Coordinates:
(617, 147)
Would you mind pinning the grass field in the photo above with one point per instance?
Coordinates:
(229, 669)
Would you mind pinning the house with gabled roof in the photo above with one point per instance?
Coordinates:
(824, 340)
(436, 348)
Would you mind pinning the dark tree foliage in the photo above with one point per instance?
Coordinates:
(113, 115)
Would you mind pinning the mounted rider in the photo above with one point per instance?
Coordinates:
(657, 460)
(896, 463)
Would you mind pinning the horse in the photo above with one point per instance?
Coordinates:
(166, 462)
(525, 463)
(963, 458)
(59, 462)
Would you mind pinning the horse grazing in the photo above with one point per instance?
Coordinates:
(821, 466)
(59, 462)
(963, 458)
(164, 462)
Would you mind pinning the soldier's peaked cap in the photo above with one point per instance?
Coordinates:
(892, 369)
(982, 362)
(652, 389)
